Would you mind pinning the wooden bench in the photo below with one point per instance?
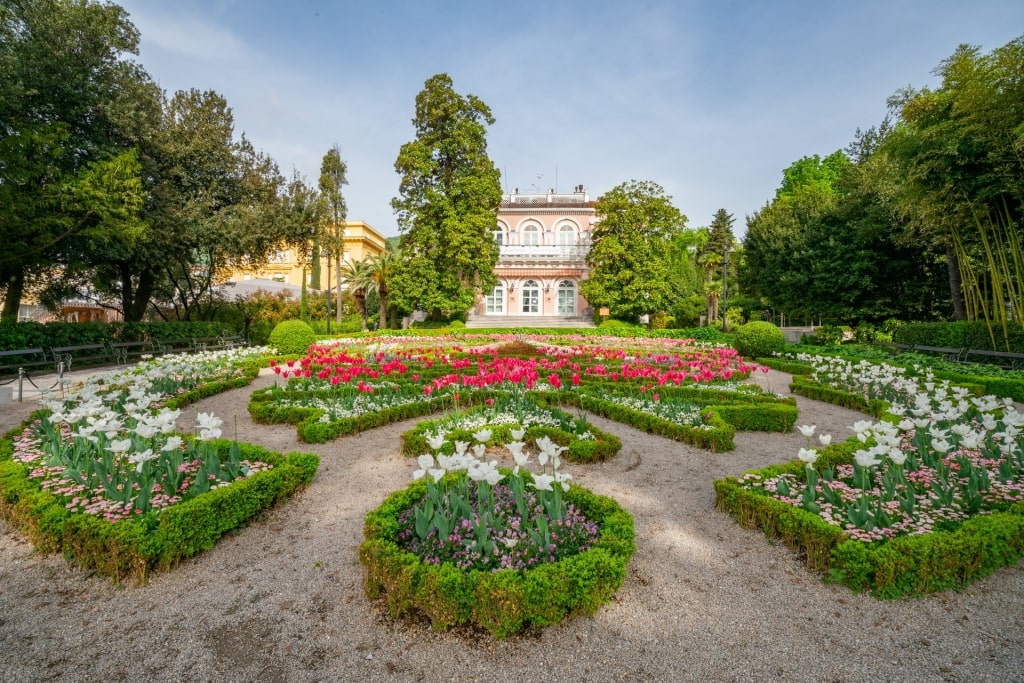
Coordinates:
(1004, 359)
(234, 341)
(124, 351)
(165, 346)
(896, 348)
(200, 344)
(949, 354)
(88, 354)
(218, 343)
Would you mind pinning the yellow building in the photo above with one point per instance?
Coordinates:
(285, 266)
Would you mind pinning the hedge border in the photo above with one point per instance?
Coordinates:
(903, 566)
(502, 602)
(155, 541)
(602, 447)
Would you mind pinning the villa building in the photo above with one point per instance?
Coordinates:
(285, 266)
(544, 242)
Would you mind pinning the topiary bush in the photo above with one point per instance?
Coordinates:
(759, 339)
(292, 336)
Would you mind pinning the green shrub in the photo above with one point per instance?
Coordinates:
(759, 339)
(829, 335)
(457, 325)
(292, 336)
(506, 601)
(612, 324)
(688, 311)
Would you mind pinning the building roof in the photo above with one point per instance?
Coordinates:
(243, 288)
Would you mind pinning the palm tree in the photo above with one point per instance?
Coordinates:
(381, 268)
(357, 275)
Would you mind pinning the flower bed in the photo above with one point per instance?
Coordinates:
(340, 390)
(927, 498)
(463, 549)
(102, 476)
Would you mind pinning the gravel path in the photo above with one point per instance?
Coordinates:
(704, 600)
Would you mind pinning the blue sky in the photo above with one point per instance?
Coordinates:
(710, 99)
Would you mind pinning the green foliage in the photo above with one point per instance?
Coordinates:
(829, 335)
(448, 204)
(907, 565)
(613, 324)
(759, 339)
(292, 336)
(962, 334)
(505, 601)
(689, 311)
(134, 548)
(629, 256)
(28, 335)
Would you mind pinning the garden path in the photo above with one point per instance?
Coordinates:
(704, 600)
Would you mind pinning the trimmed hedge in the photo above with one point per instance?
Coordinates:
(906, 565)
(819, 392)
(602, 447)
(154, 541)
(506, 601)
(903, 566)
(960, 334)
(28, 335)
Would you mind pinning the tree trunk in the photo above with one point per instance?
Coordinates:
(956, 292)
(14, 278)
(382, 292)
(360, 297)
(143, 293)
(337, 288)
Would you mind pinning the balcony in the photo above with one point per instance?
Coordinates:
(544, 252)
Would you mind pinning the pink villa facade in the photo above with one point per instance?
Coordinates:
(544, 242)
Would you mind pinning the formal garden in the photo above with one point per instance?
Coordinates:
(926, 492)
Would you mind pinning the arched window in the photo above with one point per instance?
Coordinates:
(531, 236)
(566, 297)
(495, 301)
(530, 297)
(566, 235)
(499, 237)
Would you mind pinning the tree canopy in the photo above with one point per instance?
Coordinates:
(629, 258)
(449, 193)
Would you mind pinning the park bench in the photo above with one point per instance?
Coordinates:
(16, 365)
(233, 341)
(896, 348)
(1003, 359)
(949, 354)
(165, 346)
(206, 344)
(218, 343)
(125, 351)
(83, 354)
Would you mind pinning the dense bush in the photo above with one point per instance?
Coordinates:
(971, 335)
(292, 336)
(759, 339)
(612, 324)
(688, 311)
(829, 335)
(30, 335)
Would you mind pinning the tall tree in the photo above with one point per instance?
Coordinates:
(63, 66)
(629, 256)
(448, 204)
(213, 202)
(332, 176)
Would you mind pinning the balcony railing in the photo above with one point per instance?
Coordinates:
(547, 251)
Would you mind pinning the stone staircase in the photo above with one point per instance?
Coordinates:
(513, 321)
